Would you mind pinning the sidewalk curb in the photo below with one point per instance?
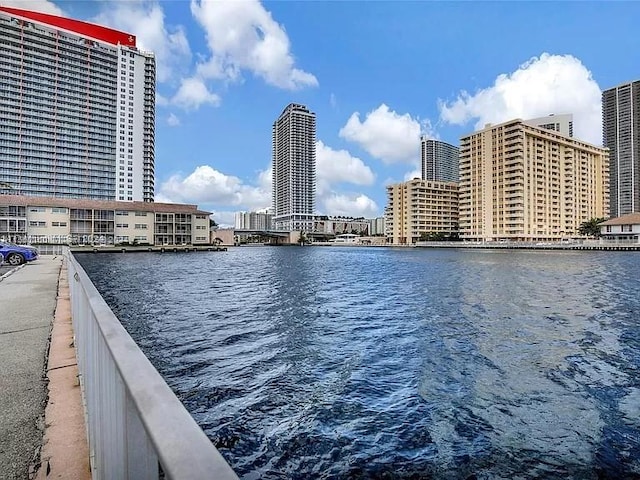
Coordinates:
(64, 453)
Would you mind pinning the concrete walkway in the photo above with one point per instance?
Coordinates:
(27, 305)
(29, 302)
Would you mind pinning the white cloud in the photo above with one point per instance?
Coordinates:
(543, 85)
(224, 219)
(146, 20)
(193, 93)
(242, 35)
(207, 186)
(161, 100)
(43, 6)
(417, 173)
(385, 134)
(358, 205)
(173, 120)
(334, 166)
(265, 179)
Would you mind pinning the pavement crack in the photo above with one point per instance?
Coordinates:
(24, 329)
(62, 366)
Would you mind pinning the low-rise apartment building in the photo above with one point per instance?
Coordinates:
(519, 182)
(419, 207)
(624, 229)
(50, 220)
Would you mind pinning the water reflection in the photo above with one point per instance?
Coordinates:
(395, 363)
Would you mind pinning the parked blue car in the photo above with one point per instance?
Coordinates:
(17, 254)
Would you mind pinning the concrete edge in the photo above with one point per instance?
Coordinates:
(64, 452)
(12, 271)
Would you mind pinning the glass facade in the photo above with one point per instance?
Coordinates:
(65, 100)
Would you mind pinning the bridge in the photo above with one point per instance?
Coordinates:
(264, 233)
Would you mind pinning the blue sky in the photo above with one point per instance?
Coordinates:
(377, 74)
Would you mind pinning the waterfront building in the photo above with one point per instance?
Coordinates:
(558, 123)
(523, 183)
(624, 229)
(621, 135)
(253, 221)
(376, 226)
(439, 160)
(417, 208)
(52, 220)
(294, 169)
(340, 225)
(77, 109)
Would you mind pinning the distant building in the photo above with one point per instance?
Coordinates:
(439, 160)
(253, 221)
(50, 220)
(621, 135)
(558, 123)
(376, 226)
(519, 182)
(294, 169)
(341, 225)
(77, 109)
(420, 207)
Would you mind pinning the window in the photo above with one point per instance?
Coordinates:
(141, 214)
(37, 224)
(59, 210)
(122, 225)
(37, 209)
(58, 224)
(627, 228)
(122, 213)
(141, 226)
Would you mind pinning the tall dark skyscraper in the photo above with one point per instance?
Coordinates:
(439, 160)
(77, 109)
(621, 134)
(294, 168)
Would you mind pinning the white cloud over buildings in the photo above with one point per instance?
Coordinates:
(193, 93)
(357, 205)
(385, 134)
(146, 20)
(244, 36)
(212, 189)
(207, 187)
(541, 86)
(336, 166)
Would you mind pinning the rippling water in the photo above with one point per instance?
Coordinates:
(395, 363)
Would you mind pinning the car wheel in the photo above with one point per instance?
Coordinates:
(15, 259)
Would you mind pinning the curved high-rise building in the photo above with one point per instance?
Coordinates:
(440, 160)
(77, 109)
(294, 169)
(621, 135)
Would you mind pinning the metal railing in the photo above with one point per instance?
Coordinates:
(135, 423)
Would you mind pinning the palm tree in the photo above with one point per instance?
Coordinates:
(591, 228)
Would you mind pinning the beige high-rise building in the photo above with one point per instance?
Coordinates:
(419, 207)
(519, 182)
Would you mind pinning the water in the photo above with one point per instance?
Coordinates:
(303, 362)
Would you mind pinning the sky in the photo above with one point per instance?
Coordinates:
(377, 74)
